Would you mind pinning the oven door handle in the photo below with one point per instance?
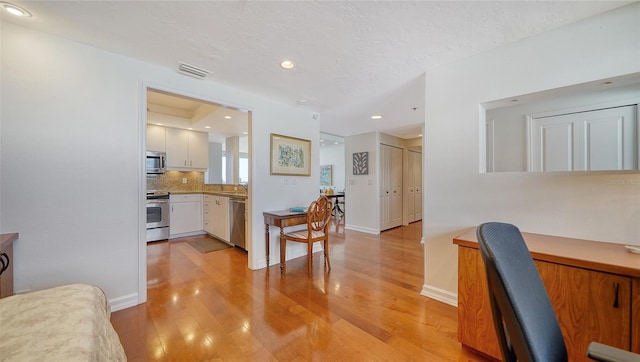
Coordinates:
(156, 201)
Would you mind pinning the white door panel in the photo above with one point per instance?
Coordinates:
(609, 139)
(552, 141)
(594, 140)
(390, 187)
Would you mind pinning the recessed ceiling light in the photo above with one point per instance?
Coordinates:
(14, 9)
(376, 117)
(336, 142)
(287, 64)
(227, 117)
(302, 101)
(207, 127)
(245, 132)
(190, 129)
(159, 124)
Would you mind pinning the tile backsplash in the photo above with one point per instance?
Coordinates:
(172, 181)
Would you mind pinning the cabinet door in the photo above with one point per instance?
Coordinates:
(198, 150)
(177, 148)
(585, 141)
(221, 218)
(475, 321)
(584, 304)
(156, 138)
(582, 300)
(6, 279)
(185, 217)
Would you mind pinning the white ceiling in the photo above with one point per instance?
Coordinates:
(353, 58)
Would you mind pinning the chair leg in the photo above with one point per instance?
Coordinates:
(309, 257)
(327, 261)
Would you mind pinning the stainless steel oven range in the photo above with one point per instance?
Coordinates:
(157, 215)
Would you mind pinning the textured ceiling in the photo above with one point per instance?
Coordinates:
(354, 58)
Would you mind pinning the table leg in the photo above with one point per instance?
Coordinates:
(266, 240)
(283, 251)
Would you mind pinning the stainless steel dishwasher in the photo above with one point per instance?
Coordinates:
(236, 220)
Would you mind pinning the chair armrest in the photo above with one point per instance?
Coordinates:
(601, 352)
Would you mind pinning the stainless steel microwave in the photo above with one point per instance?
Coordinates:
(156, 162)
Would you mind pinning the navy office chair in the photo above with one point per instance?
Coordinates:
(524, 319)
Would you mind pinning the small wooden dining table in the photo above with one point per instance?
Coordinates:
(335, 198)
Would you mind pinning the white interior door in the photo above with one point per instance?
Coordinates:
(385, 187)
(390, 187)
(416, 165)
(396, 186)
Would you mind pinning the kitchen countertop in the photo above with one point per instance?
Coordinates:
(207, 192)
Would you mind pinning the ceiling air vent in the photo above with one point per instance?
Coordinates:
(190, 70)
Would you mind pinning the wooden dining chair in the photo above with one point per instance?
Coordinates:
(318, 216)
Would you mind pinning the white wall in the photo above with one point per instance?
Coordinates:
(72, 142)
(592, 205)
(334, 155)
(363, 199)
(279, 192)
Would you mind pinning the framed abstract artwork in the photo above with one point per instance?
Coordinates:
(290, 156)
(361, 163)
(326, 175)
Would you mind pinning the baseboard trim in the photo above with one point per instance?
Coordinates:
(124, 302)
(440, 295)
(362, 230)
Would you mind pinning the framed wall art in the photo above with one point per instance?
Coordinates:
(290, 156)
(361, 163)
(326, 175)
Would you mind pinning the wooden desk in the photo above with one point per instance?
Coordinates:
(281, 219)
(583, 278)
(6, 267)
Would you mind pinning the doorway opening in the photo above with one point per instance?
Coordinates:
(219, 159)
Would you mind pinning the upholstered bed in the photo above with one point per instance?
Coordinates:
(66, 323)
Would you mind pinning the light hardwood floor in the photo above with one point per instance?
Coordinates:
(210, 307)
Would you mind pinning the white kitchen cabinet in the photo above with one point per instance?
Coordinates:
(187, 149)
(156, 138)
(216, 211)
(209, 200)
(186, 214)
(602, 139)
